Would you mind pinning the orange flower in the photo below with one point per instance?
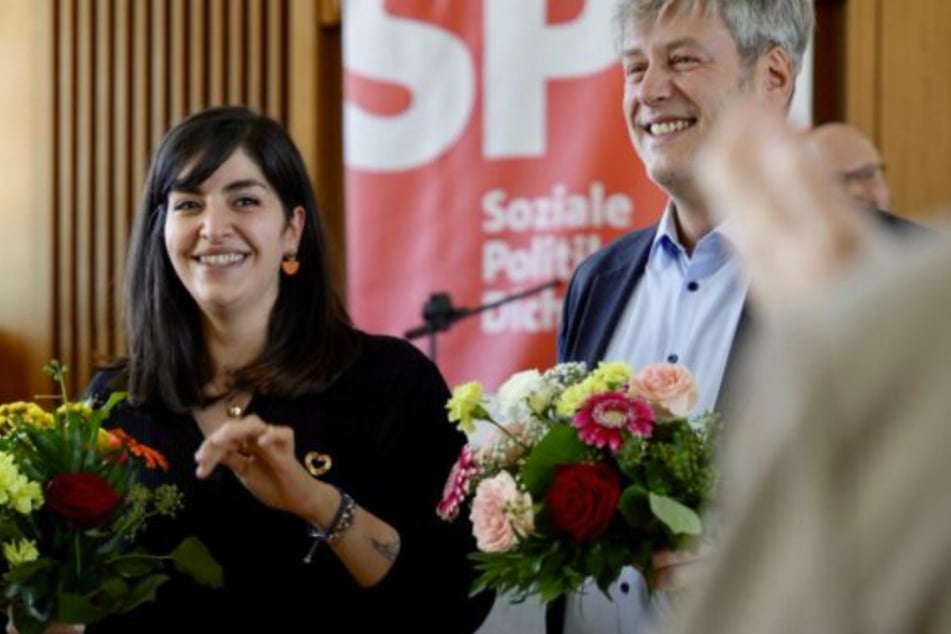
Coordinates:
(106, 440)
(152, 457)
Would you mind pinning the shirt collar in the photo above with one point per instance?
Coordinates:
(711, 253)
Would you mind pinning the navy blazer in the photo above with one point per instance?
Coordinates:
(597, 295)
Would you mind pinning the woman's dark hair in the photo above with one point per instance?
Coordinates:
(310, 339)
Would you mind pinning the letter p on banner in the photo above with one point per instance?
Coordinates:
(474, 134)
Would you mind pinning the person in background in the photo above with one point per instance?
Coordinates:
(673, 292)
(856, 162)
(834, 513)
(245, 371)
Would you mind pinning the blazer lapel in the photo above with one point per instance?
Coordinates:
(610, 292)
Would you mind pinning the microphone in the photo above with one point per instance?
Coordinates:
(439, 314)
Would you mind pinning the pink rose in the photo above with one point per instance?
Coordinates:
(500, 514)
(669, 387)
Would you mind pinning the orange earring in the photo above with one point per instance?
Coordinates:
(290, 265)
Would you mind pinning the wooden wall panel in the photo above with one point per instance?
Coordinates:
(125, 71)
(26, 241)
(898, 92)
(863, 46)
(915, 130)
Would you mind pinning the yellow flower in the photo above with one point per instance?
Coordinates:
(608, 376)
(465, 403)
(14, 414)
(16, 491)
(20, 552)
(26, 496)
(83, 409)
(611, 375)
(572, 398)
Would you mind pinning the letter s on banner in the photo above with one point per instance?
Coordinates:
(394, 49)
(522, 53)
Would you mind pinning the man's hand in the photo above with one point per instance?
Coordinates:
(793, 226)
(676, 569)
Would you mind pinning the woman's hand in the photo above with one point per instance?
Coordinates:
(262, 457)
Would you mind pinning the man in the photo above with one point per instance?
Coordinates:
(834, 514)
(856, 161)
(673, 292)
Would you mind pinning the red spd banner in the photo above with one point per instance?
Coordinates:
(486, 154)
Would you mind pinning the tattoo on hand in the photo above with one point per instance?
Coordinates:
(389, 549)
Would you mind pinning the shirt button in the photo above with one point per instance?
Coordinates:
(692, 286)
(672, 358)
(625, 587)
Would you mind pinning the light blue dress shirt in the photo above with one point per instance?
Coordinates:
(685, 309)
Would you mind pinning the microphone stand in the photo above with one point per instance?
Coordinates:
(439, 314)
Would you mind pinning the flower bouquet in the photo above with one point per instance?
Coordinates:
(580, 474)
(71, 507)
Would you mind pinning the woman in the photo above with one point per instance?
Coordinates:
(245, 372)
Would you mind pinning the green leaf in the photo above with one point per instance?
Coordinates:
(680, 519)
(114, 399)
(27, 620)
(193, 558)
(74, 608)
(132, 567)
(634, 506)
(114, 587)
(560, 445)
(141, 592)
(24, 572)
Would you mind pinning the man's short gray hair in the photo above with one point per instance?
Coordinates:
(756, 25)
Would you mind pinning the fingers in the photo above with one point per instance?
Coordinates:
(676, 569)
(677, 577)
(665, 558)
(238, 444)
(277, 438)
(232, 440)
(792, 224)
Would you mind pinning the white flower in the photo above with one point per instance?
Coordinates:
(524, 393)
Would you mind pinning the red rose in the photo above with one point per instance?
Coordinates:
(84, 498)
(583, 499)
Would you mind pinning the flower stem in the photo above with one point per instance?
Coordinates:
(505, 431)
(79, 566)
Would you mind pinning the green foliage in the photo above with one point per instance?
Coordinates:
(680, 519)
(82, 575)
(664, 466)
(192, 557)
(560, 445)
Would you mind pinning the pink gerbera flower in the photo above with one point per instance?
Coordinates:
(457, 486)
(604, 417)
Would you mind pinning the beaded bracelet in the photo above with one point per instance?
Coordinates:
(343, 519)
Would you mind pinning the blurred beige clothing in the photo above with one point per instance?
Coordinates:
(839, 490)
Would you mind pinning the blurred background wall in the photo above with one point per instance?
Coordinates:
(90, 85)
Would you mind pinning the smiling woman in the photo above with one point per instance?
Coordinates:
(226, 238)
(242, 366)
